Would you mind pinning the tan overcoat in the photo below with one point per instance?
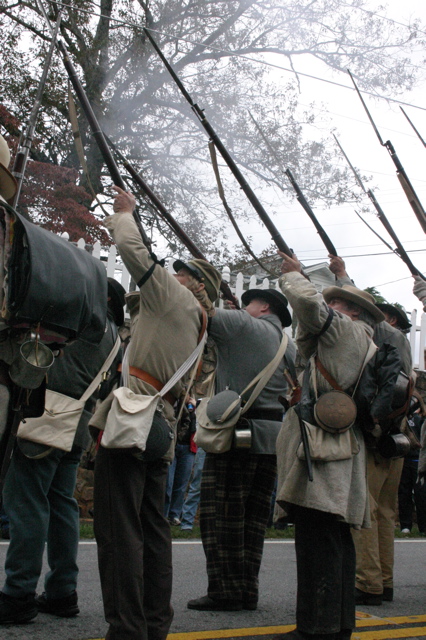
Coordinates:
(338, 487)
(165, 325)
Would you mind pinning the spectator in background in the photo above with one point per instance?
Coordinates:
(409, 485)
(180, 469)
(192, 500)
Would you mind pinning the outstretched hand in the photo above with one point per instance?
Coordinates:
(124, 202)
(290, 264)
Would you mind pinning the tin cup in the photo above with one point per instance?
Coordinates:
(395, 445)
(31, 364)
(242, 434)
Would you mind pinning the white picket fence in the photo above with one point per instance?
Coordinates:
(116, 269)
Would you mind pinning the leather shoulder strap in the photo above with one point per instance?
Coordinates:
(323, 371)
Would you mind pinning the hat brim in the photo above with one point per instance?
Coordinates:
(179, 264)
(394, 311)
(282, 311)
(8, 184)
(338, 292)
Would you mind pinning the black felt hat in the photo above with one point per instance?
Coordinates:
(400, 315)
(116, 292)
(276, 298)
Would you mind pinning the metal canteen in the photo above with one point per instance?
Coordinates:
(31, 364)
(335, 411)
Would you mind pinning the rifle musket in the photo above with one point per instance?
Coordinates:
(25, 142)
(402, 176)
(275, 234)
(300, 197)
(400, 251)
(167, 216)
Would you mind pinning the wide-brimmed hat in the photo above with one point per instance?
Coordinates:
(357, 296)
(204, 272)
(8, 183)
(276, 298)
(399, 313)
(116, 292)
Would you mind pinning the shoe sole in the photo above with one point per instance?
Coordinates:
(369, 603)
(219, 608)
(66, 613)
(21, 618)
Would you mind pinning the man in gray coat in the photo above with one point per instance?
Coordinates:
(236, 486)
(337, 327)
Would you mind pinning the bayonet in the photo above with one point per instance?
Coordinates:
(418, 134)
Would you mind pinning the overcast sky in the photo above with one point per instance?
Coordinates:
(350, 236)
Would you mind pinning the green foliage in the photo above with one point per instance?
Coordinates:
(376, 295)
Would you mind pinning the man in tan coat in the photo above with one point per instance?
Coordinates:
(375, 545)
(338, 327)
(133, 536)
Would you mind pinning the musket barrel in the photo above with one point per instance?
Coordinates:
(399, 248)
(98, 134)
(305, 204)
(172, 222)
(275, 234)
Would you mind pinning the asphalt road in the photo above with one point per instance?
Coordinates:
(277, 594)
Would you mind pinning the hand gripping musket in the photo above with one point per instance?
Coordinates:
(299, 195)
(94, 125)
(167, 216)
(399, 251)
(25, 143)
(400, 171)
(275, 234)
(418, 134)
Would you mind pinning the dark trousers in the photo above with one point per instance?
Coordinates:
(236, 491)
(134, 545)
(409, 488)
(325, 556)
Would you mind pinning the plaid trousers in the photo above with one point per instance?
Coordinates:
(236, 490)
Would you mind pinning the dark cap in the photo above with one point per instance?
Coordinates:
(275, 298)
(393, 310)
(116, 292)
(204, 272)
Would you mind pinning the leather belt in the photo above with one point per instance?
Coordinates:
(146, 377)
(264, 414)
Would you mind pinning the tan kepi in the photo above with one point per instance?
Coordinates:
(7, 181)
(357, 296)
